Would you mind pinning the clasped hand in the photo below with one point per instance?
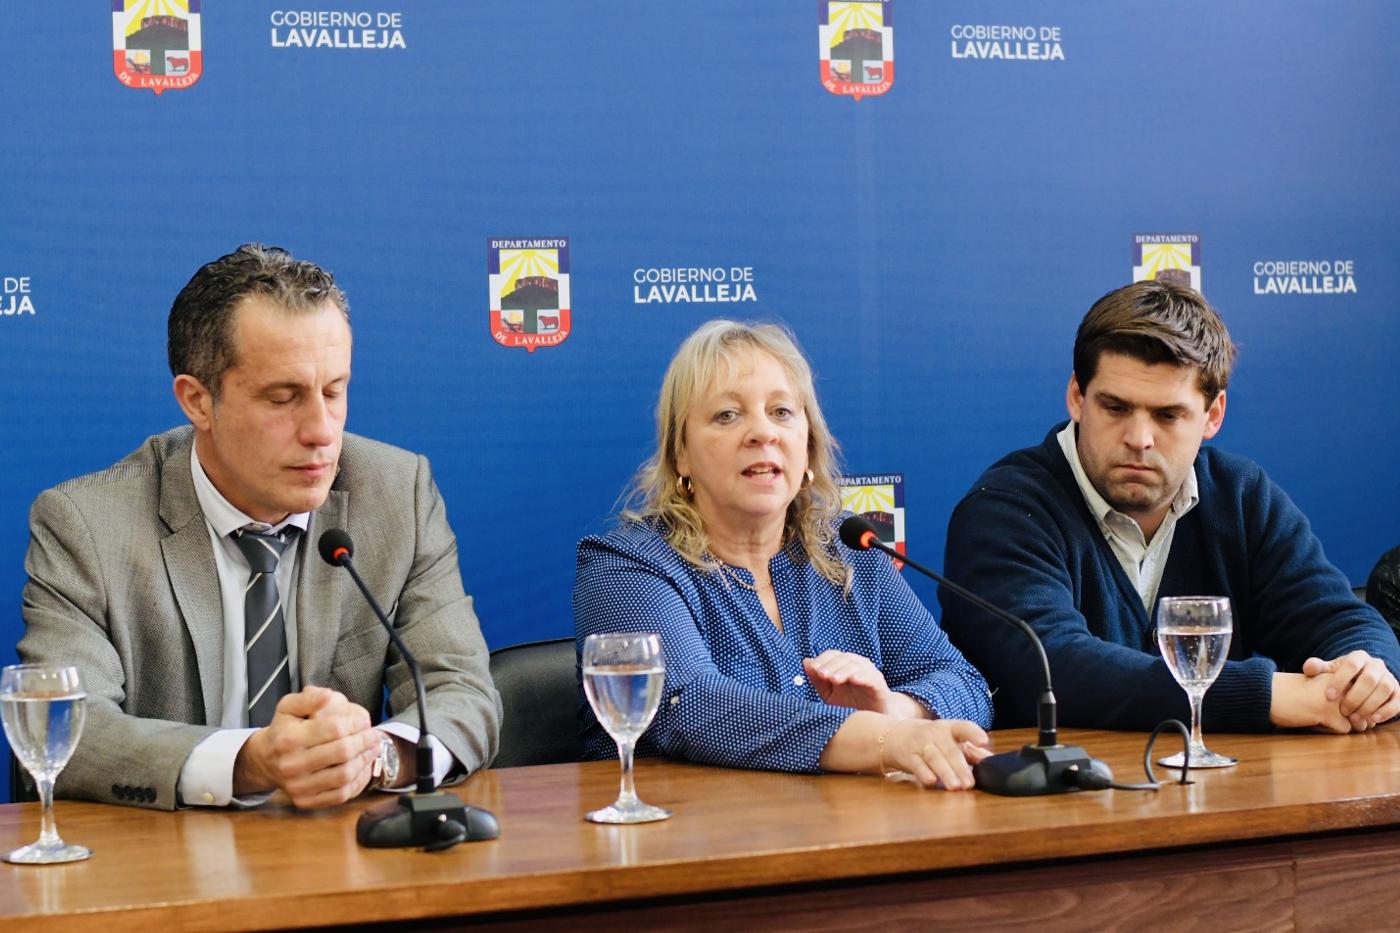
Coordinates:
(1353, 693)
(319, 748)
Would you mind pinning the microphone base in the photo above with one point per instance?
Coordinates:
(434, 821)
(1035, 770)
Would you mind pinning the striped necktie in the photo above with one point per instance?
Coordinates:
(264, 627)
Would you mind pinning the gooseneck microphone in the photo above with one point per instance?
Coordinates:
(1046, 767)
(425, 817)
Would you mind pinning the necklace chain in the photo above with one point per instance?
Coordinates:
(732, 574)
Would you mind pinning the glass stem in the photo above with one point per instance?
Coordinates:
(1198, 744)
(627, 794)
(48, 831)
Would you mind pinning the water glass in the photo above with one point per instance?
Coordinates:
(1193, 633)
(42, 708)
(623, 675)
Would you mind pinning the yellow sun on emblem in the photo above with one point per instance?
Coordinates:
(527, 262)
(868, 498)
(139, 11)
(843, 16)
(1159, 256)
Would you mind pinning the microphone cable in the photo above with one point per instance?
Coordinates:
(1093, 780)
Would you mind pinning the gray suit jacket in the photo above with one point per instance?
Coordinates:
(122, 584)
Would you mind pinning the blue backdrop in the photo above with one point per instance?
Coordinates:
(933, 242)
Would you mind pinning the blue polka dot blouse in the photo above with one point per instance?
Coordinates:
(736, 694)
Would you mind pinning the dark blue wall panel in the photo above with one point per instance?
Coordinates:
(933, 246)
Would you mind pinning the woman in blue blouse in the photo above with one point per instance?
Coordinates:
(784, 649)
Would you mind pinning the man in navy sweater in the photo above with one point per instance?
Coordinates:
(1081, 534)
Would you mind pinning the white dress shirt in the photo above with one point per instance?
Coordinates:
(206, 778)
(1143, 561)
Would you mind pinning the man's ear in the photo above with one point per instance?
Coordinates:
(195, 401)
(1215, 415)
(1074, 399)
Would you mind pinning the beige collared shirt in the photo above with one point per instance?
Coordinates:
(1142, 561)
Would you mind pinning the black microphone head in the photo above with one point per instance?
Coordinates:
(336, 547)
(857, 532)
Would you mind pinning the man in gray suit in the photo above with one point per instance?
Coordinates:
(222, 658)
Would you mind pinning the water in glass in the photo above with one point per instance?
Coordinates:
(1194, 655)
(43, 730)
(624, 697)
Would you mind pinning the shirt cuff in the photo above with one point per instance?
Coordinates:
(950, 696)
(206, 779)
(442, 758)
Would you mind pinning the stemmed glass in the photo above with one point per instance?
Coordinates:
(1194, 635)
(42, 708)
(622, 677)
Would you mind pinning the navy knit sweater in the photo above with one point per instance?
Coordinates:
(1024, 538)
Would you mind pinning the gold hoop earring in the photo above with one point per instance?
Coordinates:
(685, 487)
(810, 478)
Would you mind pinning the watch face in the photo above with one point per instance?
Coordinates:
(385, 770)
(389, 755)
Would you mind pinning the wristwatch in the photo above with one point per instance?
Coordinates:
(385, 772)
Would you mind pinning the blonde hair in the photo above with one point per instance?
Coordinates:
(655, 494)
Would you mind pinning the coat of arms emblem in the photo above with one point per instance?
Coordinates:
(529, 283)
(156, 43)
(857, 47)
(1168, 257)
(880, 498)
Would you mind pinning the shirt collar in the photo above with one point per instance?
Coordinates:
(1185, 499)
(222, 515)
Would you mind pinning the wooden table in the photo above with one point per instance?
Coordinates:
(1304, 833)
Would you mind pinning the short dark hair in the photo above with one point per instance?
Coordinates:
(200, 330)
(1157, 322)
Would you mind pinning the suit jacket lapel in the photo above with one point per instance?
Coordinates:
(321, 594)
(189, 561)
